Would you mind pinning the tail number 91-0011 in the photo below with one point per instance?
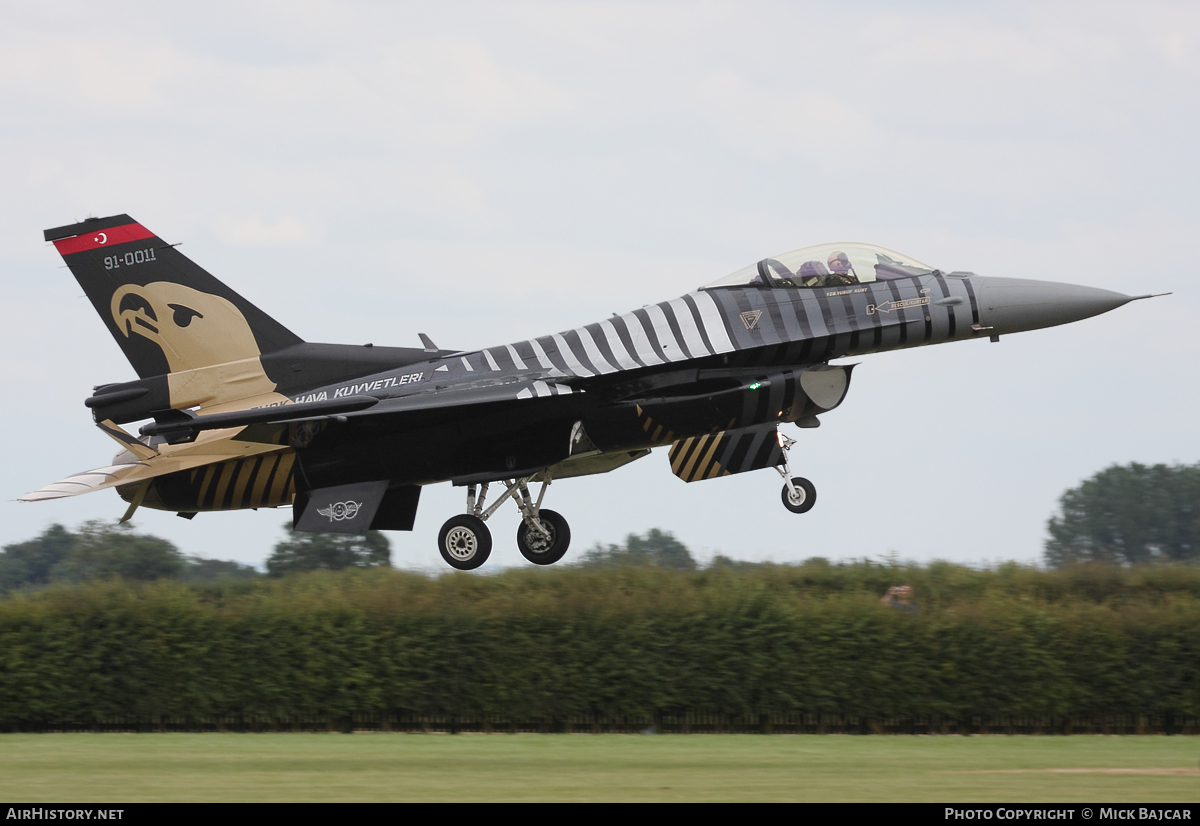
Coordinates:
(113, 262)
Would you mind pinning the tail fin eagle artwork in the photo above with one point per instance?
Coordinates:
(242, 413)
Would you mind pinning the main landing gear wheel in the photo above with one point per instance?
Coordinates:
(465, 542)
(539, 549)
(800, 496)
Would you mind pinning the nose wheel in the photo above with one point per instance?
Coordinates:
(798, 494)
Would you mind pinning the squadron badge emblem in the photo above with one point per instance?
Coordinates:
(340, 510)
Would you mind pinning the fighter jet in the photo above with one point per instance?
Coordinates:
(241, 413)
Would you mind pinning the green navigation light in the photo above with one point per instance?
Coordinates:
(755, 385)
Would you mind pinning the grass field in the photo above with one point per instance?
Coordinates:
(61, 768)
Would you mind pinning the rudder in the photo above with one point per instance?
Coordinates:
(167, 314)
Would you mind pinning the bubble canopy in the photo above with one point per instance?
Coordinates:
(826, 265)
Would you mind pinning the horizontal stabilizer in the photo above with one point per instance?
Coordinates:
(127, 473)
(88, 481)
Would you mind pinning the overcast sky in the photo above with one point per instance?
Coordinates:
(486, 172)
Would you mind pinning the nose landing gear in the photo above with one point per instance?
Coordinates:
(543, 536)
(798, 494)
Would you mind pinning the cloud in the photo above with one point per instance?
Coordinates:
(254, 231)
(815, 125)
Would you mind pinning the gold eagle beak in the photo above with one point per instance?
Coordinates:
(134, 313)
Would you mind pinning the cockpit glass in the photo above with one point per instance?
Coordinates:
(827, 265)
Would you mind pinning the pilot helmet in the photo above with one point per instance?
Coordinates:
(839, 263)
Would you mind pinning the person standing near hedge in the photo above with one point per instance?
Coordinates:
(900, 598)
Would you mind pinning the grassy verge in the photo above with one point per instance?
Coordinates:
(62, 768)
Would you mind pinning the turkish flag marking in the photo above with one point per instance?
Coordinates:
(102, 238)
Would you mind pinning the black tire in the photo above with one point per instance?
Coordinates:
(807, 498)
(465, 542)
(536, 548)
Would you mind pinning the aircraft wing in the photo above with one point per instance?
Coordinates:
(469, 396)
(355, 408)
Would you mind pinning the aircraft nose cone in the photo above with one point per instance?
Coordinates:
(1013, 305)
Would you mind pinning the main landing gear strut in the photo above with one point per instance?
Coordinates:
(799, 494)
(542, 537)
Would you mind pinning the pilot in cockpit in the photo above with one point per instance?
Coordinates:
(811, 274)
(842, 271)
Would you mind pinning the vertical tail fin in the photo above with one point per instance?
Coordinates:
(167, 314)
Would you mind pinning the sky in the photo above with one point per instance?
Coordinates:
(487, 172)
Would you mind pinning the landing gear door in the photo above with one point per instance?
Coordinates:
(726, 452)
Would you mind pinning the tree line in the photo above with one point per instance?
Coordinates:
(1126, 515)
(1129, 514)
(99, 550)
